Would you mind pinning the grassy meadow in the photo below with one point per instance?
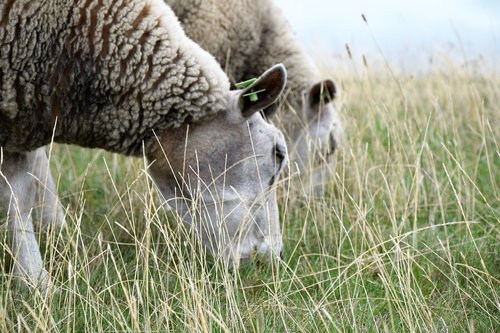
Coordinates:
(406, 237)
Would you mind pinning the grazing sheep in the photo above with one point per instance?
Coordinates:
(121, 75)
(246, 36)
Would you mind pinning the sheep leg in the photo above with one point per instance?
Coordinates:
(17, 196)
(52, 213)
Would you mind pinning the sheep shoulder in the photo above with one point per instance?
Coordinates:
(100, 73)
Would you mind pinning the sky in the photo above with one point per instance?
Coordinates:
(406, 32)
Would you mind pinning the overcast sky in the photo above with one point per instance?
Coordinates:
(404, 29)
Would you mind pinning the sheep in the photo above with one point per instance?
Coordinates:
(121, 75)
(246, 36)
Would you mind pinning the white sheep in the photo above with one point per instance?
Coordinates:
(121, 75)
(246, 36)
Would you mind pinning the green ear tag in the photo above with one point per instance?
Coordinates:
(251, 95)
(254, 97)
(245, 84)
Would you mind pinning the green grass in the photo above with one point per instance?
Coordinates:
(405, 239)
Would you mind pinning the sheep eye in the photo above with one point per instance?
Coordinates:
(279, 158)
(279, 155)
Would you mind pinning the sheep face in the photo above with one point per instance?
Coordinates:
(219, 175)
(314, 147)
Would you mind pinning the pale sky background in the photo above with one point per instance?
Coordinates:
(407, 31)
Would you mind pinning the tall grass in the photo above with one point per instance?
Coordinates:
(405, 239)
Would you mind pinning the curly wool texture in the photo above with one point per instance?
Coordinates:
(246, 37)
(100, 73)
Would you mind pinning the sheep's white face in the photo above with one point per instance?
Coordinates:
(219, 175)
(314, 146)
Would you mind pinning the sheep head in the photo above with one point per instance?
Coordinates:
(219, 174)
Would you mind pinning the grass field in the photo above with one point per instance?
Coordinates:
(405, 239)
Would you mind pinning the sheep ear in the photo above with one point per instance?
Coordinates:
(263, 92)
(322, 93)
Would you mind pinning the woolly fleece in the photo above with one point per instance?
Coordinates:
(100, 73)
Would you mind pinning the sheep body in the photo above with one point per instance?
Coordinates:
(99, 74)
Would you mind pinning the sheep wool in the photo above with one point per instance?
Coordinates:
(100, 73)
